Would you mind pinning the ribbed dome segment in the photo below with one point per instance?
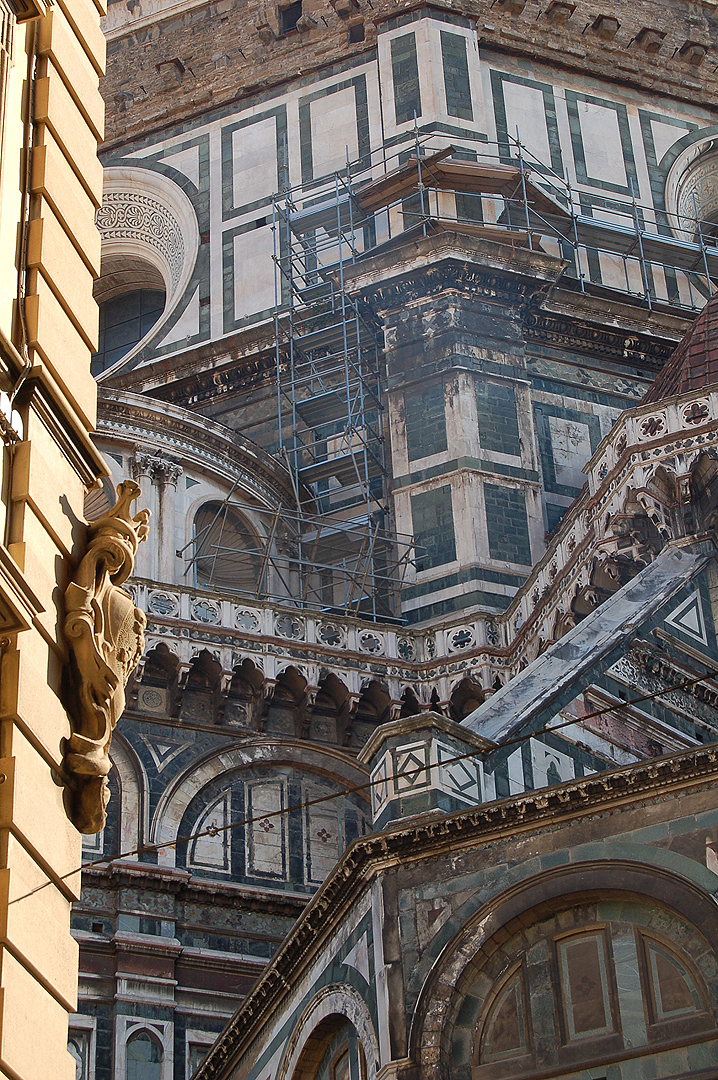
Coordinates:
(694, 364)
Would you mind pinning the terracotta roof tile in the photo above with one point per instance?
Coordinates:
(694, 364)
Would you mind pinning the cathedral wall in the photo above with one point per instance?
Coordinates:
(230, 161)
(419, 958)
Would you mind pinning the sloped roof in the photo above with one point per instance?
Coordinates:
(694, 364)
(571, 663)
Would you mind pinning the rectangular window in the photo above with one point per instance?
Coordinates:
(433, 523)
(507, 524)
(405, 72)
(456, 75)
(425, 421)
(497, 417)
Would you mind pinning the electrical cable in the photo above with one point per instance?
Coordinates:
(368, 785)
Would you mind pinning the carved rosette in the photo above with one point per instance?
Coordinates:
(104, 631)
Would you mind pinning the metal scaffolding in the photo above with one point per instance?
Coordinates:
(308, 560)
(339, 550)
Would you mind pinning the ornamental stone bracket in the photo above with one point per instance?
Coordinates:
(104, 631)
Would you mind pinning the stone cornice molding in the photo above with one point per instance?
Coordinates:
(482, 269)
(368, 857)
(573, 332)
(213, 363)
(189, 889)
(193, 440)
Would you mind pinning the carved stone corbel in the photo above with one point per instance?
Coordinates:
(104, 631)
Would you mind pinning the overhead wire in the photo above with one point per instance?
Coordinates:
(354, 789)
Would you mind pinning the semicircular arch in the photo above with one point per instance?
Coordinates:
(532, 900)
(266, 753)
(331, 1005)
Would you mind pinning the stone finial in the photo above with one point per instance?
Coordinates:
(104, 631)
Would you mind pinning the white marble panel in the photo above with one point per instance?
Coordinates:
(266, 855)
(212, 852)
(185, 161)
(253, 272)
(322, 825)
(334, 127)
(525, 110)
(602, 147)
(550, 766)
(254, 161)
(187, 325)
(664, 136)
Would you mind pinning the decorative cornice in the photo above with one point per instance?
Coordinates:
(545, 328)
(186, 437)
(417, 269)
(370, 856)
(186, 888)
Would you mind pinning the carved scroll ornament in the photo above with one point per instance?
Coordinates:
(104, 631)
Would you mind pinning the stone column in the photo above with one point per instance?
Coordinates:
(166, 475)
(143, 470)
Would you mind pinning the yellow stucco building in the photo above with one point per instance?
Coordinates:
(51, 118)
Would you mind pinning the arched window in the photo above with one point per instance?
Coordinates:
(227, 554)
(150, 239)
(144, 1057)
(577, 995)
(124, 321)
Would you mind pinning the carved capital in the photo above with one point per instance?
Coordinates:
(156, 468)
(167, 471)
(143, 464)
(104, 631)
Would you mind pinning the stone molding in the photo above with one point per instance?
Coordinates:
(129, 215)
(192, 440)
(157, 468)
(369, 857)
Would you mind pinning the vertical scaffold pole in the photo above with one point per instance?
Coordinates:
(574, 222)
(524, 189)
(641, 255)
(704, 254)
(420, 184)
